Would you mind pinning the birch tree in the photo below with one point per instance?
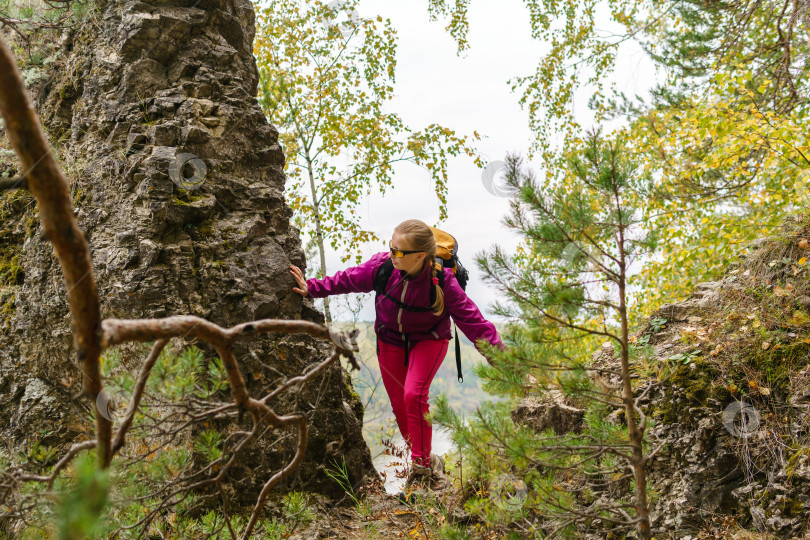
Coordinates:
(326, 78)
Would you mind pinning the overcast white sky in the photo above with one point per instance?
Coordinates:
(467, 93)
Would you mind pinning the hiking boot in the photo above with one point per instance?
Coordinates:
(438, 478)
(419, 478)
(424, 480)
(420, 475)
(432, 478)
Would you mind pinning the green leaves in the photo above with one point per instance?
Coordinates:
(685, 357)
(583, 229)
(724, 136)
(457, 25)
(657, 324)
(327, 92)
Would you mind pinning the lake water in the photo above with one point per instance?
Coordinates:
(441, 445)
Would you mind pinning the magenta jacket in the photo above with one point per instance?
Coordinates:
(394, 322)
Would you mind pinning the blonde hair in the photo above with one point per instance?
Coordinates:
(420, 237)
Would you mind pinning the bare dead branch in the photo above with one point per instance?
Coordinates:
(75, 449)
(49, 187)
(115, 331)
(301, 421)
(301, 378)
(7, 184)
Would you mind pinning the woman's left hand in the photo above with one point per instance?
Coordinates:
(299, 278)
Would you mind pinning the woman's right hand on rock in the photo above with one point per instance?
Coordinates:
(299, 278)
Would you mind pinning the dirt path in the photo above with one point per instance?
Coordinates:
(380, 515)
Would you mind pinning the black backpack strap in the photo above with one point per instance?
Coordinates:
(462, 275)
(381, 280)
(440, 285)
(458, 345)
(382, 276)
(458, 359)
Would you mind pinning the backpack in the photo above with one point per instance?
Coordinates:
(446, 257)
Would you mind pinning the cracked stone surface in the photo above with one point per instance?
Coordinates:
(145, 82)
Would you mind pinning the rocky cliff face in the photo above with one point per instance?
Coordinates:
(728, 372)
(140, 92)
(733, 409)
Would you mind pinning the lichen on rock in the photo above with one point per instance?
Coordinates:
(741, 341)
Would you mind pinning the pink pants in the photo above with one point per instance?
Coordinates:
(408, 388)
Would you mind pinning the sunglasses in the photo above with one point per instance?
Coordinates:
(399, 253)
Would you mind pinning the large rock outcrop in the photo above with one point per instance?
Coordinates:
(133, 88)
(727, 380)
(729, 401)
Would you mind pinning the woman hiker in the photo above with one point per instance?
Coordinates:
(411, 345)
